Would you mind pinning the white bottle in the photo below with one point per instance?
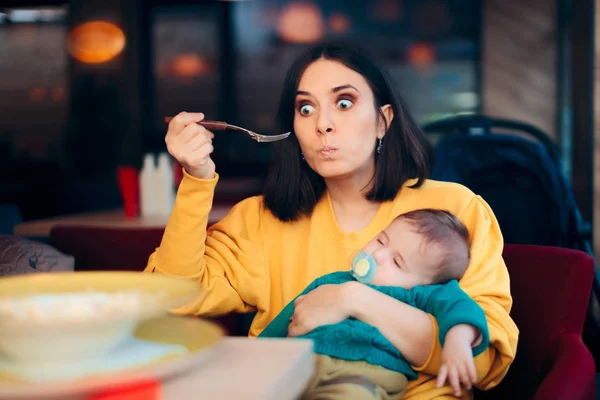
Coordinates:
(164, 179)
(148, 187)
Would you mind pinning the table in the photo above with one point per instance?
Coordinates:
(105, 219)
(249, 369)
(241, 369)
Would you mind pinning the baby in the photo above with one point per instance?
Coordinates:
(417, 259)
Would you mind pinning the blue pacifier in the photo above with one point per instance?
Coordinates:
(363, 267)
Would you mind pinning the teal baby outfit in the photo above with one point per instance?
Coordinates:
(354, 340)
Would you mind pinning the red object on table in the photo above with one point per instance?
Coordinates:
(146, 390)
(129, 185)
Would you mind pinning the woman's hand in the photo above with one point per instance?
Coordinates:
(327, 304)
(191, 144)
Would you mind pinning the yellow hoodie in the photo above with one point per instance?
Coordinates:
(251, 261)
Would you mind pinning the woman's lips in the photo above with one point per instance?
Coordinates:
(327, 151)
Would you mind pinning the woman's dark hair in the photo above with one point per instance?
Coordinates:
(292, 188)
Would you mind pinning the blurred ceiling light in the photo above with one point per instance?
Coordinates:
(57, 94)
(45, 14)
(96, 42)
(301, 23)
(190, 65)
(388, 10)
(17, 16)
(420, 55)
(37, 94)
(339, 23)
(52, 14)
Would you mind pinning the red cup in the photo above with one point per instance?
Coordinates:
(129, 185)
(177, 175)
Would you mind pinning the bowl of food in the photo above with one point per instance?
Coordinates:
(72, 316)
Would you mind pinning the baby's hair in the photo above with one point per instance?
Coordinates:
(441, 228)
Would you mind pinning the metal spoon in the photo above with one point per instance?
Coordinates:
(221, 126)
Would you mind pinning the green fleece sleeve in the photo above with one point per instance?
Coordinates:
(451, 306)
(278, 327)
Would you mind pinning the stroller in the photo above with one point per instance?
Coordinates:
(521, 178)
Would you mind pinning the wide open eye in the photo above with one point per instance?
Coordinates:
(306, 109)
(344, 104)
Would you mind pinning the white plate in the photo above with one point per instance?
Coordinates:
(64, 316)
(198, 336)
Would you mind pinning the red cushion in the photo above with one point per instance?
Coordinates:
(569, 359)
(550, 288)
(107, 249)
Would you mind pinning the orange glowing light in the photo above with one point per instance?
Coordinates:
(58, 94)
(190, 65)
(96, 42)
(339, 23)
(37, 94)
(301, 23)
(421, 55)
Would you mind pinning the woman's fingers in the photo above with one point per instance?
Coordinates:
(197, 157)
(205, 151)
(197, 142)
(187, 134)
(191, 144)
(194, 130)
(183, 119)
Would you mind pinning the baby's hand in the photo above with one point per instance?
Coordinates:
(457, 363)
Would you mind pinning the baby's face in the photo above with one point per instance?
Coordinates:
(402, 257)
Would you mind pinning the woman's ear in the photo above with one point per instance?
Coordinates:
(388, 114)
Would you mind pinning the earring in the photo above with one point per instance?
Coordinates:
(302, 155)
(379, 146)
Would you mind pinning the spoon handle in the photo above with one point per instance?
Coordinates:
(212, 125)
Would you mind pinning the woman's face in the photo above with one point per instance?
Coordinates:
(336, 122)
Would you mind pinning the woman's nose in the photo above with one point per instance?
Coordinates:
(325, 122)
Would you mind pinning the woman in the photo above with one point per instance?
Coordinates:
(356, 159)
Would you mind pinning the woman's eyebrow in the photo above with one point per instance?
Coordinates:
(342, 87)
(334, 90)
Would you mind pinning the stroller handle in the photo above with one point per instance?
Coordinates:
(477, 124)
